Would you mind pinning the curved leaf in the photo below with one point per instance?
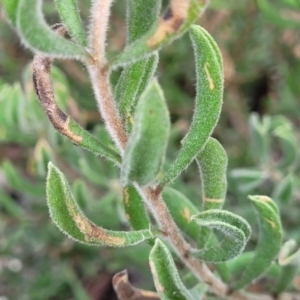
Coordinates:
(181, 210)
(269, 243)
(140, 17)
(212, 162)
(208, 102)
(236, 230)
(62, 123)
(68, 11)
(68, 217)
(132, 83)
(172, 25)
(135, 209)
(38, 36)
(126, 291)
(149, 137)
(165, 275)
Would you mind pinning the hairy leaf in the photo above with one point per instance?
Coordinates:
(135, 209)
(165, 275)
(38, 36)
(90, 143)
(212, 162)
(145, 151)
(67, 215)
(269, 243)
(176, 21)
(68, 10)
(236, 230)
(132, 83)
(62, 123)
(140, 17)
(208, 103)
(181, 210)
(11, 8)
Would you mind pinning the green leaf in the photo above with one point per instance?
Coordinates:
(10, 8)
(39, 37)
(283, 190)
(287, 256)
(269, 243)
(199, 291)
(81, 193)
(165, 275)
(135, 209)
(90, 143)
(290, 261)
(68, 10)
(236, 230)
(260, 137)
(181, 210)
(247, 180)
(293, 3)
(162, 33)
(212, 162)
(21, 184)
(208, 102)
(289, 144)
(132, 83)
(68, 217)
(12, 208)
(238, 265)
(149, 136)
(275, 16)
(140, 17)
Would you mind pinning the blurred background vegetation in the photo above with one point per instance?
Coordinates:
(259, 128)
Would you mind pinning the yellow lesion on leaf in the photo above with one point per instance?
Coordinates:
(126, 196)
(91, 232)
(158, 286)
(265, 199)
(273, 225)
(178, 12)
(130, 118)
(209, 78)
(186, 214)
(212, 200)
(67, 132)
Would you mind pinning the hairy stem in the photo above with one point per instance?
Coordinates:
(100, 75)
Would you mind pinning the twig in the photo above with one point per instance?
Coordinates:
(100, 75)
(100, 78)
